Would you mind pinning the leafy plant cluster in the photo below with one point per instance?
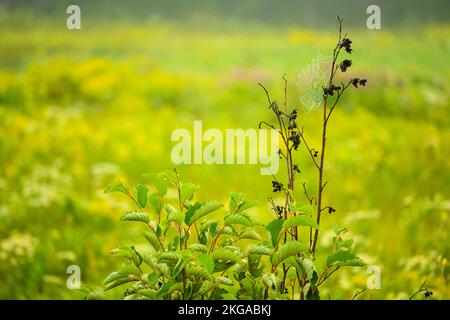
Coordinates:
(195, 255)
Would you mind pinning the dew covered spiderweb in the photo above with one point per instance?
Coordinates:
(310, 81)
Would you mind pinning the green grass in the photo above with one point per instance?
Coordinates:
(81, 109)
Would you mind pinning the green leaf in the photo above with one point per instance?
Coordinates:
(300, 220)
(169, 256)
(187, 191)
(95, 295)
(126, 273)
(249, 234)
(238, 219)
(154, 200)
(160, 182)
(152, 239)
(222, 254)
(197, 247)
(205, 209)
(136, 256)
(340, 243)
(254, 267)
(207, 262)
(301, 208)
(287, 250)
(190, 212)
(269, 280)
(344, 258)
(261, 250)
(164, 290)
(229, 230)
(141, 193)
(135, 216)
(238, 204)
(153, 278)
(304, 266)
(122, 252)
(116, 187)
(181, 264)
(338, 230)
(199, 271)
(174, 215)
(274, 228)
(224, 280)
(235, 198)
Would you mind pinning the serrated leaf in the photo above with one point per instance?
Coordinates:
(261, 250)
(235, 198)
(269, 280)
(305, 267)
(207, 262)
(152, 239)
(141, 194)
(197, 247)
(224, 280)
(249, 234)
(206, 287)
(229, 230)
(135, 216)
(153, 278)
(205, 209)
(254, 267)
(136, 256)
(174, 215)
(222, 254)
(199, 271)
(274, 228)
(344, 258)
(338, 230)
(164, 290)
(95, 295)
(301, 208)
(238, 219)
(190, 212)
(287, 250)
(126, 273)
(155, 202)
(122, 252)
(340, 243)
(300, 220)
(238, 204)
(169, 256)
(179, 266)
(116, 187)
(187, 191)
(159, 181)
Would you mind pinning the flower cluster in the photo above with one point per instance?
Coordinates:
(292, 120)
(346, 44)
(345, 64)
(295, 138)
(358, 81)
(277, 186)
(330, 90)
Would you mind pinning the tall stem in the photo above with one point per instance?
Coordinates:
(320, 184)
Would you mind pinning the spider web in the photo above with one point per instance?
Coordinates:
(310, 81)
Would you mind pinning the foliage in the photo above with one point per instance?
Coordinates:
(210, 263)
(81, 109)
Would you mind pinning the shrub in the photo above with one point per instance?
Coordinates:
(192, 255)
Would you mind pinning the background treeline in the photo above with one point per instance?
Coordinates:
(309, 13)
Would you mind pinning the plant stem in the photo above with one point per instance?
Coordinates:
(320, 184)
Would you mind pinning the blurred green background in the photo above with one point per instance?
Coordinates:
(82, 108)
